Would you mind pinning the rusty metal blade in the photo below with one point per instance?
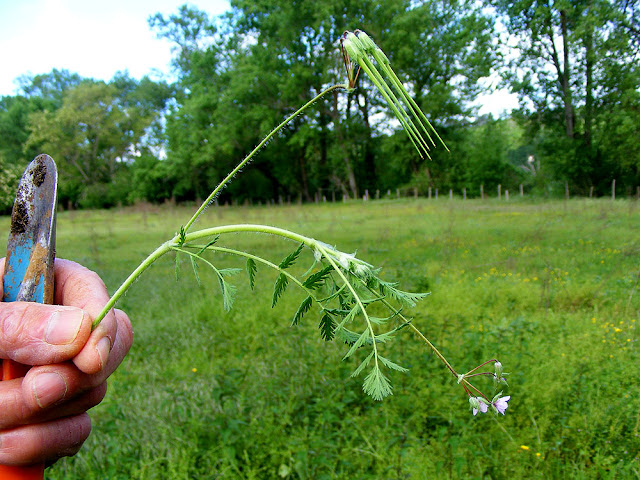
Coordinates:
(28, 270)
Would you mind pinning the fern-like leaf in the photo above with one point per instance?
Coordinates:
(383, 321)
(304, 307)
(327, 327)
(194, 265)
(316, 280)
(209, 244)
(363, 365)
(251, 270)
(377, 385)
(348, 336)
(228, 293)
(362, 339)
(392, 365)
(385, 337)
(291, 258)
(405, 298)
(225, 272)
(278, 288)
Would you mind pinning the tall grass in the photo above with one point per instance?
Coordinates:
(551, 289)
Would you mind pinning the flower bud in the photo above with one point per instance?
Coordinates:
(356, 41)
(351, 50)
(498, 367)
(368, 44)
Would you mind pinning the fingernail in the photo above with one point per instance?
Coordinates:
(103, 347)
(63, 326)
(49, 388)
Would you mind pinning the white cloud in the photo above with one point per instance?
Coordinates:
(94, 39)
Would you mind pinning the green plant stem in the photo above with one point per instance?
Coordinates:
(146, 263)
(255, 258)
(480, 366)
(419, 333)
(434, 349)
(239, 167)
(176, 242)
(324, 252)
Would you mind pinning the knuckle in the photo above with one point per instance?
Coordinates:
(14, 333)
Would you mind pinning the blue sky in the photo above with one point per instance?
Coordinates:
(92, 38)
(98, 38)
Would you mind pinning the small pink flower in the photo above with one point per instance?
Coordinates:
(478, 404)
(500, 404)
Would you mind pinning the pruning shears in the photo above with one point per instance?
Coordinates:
(28, 269)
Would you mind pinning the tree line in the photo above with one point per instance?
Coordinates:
(575, 65)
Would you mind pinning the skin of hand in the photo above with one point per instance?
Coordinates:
(43, 415)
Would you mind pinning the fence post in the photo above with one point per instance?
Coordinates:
(481, 192)
(521, 191)
(397, 193)
(613, 189)
(429, 195)
(464, 193)
(415, 192)
(499, 192)
(451, 194)
(436, 193)
(566, 190)
(591, 191)
(506, 195)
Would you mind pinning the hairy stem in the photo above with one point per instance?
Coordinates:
(177, 242)
(146, 263)
(239, 167)
(326, 255)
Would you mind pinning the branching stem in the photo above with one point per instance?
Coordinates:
(178, 241)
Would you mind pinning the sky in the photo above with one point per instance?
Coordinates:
(96, 39)
(93, 38)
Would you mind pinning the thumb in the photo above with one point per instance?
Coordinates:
(36, 334)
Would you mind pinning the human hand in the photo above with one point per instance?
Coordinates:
(43, 415)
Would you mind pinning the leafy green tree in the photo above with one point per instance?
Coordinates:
(37, 93)
(576, 72)
(273, 56)
(9, 178)
(97, 131)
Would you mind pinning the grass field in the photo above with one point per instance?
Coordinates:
(551, 289)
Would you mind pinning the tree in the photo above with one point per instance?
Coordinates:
(576, 60)
(38, 93)
(277, 55)
(98, 130)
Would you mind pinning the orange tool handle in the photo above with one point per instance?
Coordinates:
(11, 370)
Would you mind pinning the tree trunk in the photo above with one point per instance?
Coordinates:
(303, 175)
(569, 114)
(589, 60)
(351, 176)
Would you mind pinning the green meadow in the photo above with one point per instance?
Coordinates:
(551, 289)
